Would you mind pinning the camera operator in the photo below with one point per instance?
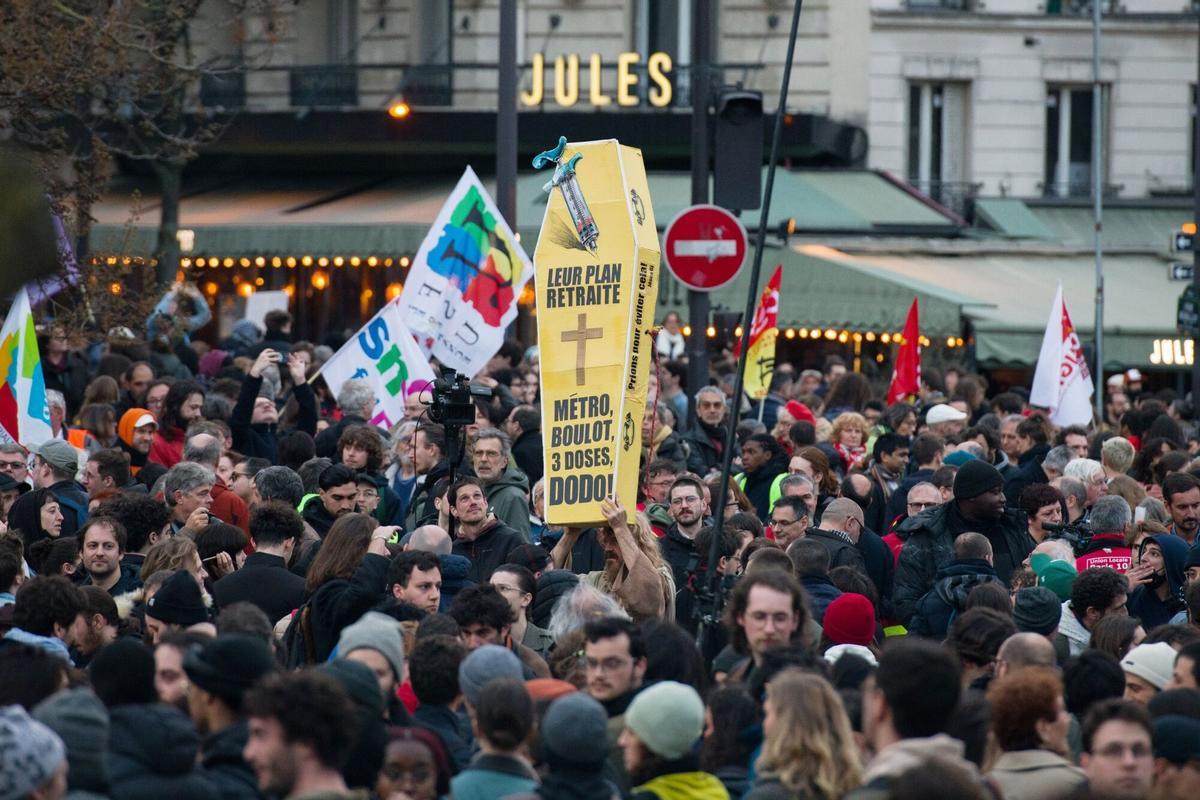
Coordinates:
(1109, 520)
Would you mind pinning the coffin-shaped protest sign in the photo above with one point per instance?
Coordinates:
(596, 264)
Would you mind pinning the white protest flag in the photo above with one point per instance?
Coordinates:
(384, 353)
(463, 286)
(1062, 382)
(24, 415)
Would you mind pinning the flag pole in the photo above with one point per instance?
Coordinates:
(710, 601)
(1098, 206)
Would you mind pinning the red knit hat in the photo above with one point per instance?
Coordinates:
(850, 619)
(800, 412)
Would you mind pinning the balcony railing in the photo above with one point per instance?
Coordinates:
(224, 90)
(1079, 189)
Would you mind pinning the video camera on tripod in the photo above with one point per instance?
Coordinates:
(451, 402)
(1076, 534)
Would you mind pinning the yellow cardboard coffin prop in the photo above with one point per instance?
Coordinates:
(596, 265)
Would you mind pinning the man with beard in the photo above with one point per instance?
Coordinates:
(302, 726)
(102, 548)
(98, 627)
(615, 656)
(686, 506)
(978, 506)
(482, 538)
(1181, 493)
(506, 486)
(706, 439)
(338, 489)
(765, 610)
(135, 435)
(220, 673)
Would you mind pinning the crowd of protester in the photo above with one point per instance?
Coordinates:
(219, 580)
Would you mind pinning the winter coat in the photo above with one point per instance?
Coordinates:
(488, 550)
(704, 445)
(316, 515)
(508, 497)
(821, 592)
(527, 455)
(222, 763)
(1106, 550)
(450, 728)
(130, 580)
(1144, 602)
(930, 546)
(1028, 472)
(167, 447)
(420, 506)
(842, 552)
(455, 570)
(71, 378)
(899, 757)
(260, 439)
(667, 446)
(736, 779)
(228, 507)
(1036, 775)
(880, 564)
(1071, 629)
(681, 786)
(265, 581)
(490, 776)
(643, 591)
(948, 597)
(677, 550)
(339, 603)
(152, 755)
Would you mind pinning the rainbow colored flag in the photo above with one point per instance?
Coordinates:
(24, 415)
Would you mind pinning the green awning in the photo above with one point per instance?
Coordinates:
(236, 241)
(1011, 218)
(1142, 228)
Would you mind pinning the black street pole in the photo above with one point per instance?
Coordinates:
(697, 350)
(1196, 219)
(713, 578)
(506, 115)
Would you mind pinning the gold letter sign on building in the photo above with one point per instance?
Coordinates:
(596, 263)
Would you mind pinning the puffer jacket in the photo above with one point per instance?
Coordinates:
(948, 597)
(930, 546)
(152, 754)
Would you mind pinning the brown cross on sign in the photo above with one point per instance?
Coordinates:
(580, 337)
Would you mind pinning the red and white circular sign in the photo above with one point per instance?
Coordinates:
(704, 246)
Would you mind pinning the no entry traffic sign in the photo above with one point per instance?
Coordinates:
(704, 247)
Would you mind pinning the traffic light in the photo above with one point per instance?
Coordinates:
(738, 149)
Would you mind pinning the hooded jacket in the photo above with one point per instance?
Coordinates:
(821, 592)
(948, 597)
(488, 550)
(682, 786)
(1070, 628)
(551, 585)
(1144, 602)
(152, 754)
(508, 497)
(930, 546)
(455, 570)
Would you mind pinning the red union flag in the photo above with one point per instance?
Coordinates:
(1062, 382)
(906, 380)
(763, 333)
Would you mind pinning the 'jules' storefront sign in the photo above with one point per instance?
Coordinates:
(562, 84)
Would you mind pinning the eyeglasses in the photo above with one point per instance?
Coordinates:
(922, 506)
(783, 523)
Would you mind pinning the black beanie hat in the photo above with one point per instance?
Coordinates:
(229, 665)
(123, 674)
(178, 601)
(1037, 610)
(974, 478)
